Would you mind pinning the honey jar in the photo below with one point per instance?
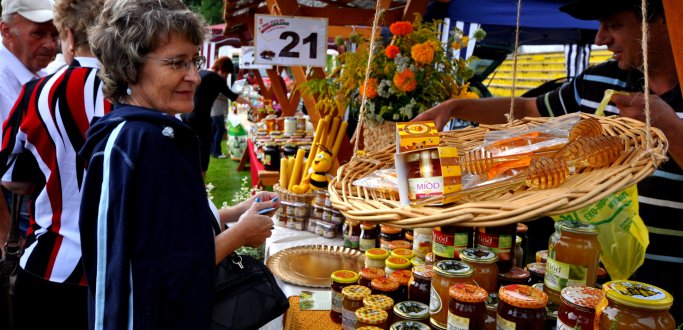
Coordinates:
(351, 234)
(446, 274)
(501, 241)
(404, 253)
(516, 275)
(485, 268)
(635, 306)
(466, 307)
(420, 283)
(417, 261)
(369, 236)
(577, 310)
(340, 280)
(320, 199)
(385, 286)
(353, 300)
(400, 244)
(448, 241)
(369, 274)
(521, 307)
(422, 241)
(411, 311)
(396, 263)
(537, 271)
(381, 302)
(402, 277)
(542, 256)
(371, 317)
(376, 257)
(572, 260)
(388, 234)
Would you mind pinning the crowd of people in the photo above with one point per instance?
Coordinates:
(119, 231)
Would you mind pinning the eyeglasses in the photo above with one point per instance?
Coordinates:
(178, 63)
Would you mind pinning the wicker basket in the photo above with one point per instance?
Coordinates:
(377, 136)
(286, 195)
(580, 190)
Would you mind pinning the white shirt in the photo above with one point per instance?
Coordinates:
(13, 75)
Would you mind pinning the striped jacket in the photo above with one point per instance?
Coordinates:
(41, 139)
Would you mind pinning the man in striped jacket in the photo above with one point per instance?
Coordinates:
(39, 157)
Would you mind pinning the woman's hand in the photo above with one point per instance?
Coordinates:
(253, 228)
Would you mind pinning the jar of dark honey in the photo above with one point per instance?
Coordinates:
(466, 307)
(573, 260)
(448, 241)
(385, 286)
(446, 274)
(485, 268)
(353, 300)
(369, 274)
(420, 283)
(500, 240)
(577, 310)
(402, 277)
(521, 307)
(340, 280)
(516, 275)
(635, 306)
(369, 236)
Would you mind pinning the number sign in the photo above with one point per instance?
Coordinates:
(282, 40)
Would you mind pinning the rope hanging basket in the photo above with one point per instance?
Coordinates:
(580, 190)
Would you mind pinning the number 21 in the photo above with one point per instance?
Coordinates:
(287, 50)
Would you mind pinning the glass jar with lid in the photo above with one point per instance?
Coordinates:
(340, 280)
(371, 317)
(537, 271)
(404, 253)
(516, 275)
(634, 305)
(422, 241)
(466, 307)
(369, 236)
(417, 261)
(577, 310)
(573, 259)
(448, 241)
(351, 234)
(446, 274)
(402, 277)
(411, 311)
(485, 268)
(491, 311)
(409, 325)
(521, 307)
(387, 234)
(396, 263)
(385, 286)
(369, 274)
(376, 257)
(381, 302)
(501, 240)
(420, 283)
(271, 157)
(409, 235)
(400, 244)
(353, 300)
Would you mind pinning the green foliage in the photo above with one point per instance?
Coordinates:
(211, 10)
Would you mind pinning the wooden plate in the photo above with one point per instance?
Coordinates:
(312, 265)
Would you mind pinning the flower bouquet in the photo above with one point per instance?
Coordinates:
(410, 71)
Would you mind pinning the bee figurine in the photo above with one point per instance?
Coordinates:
(318, 180)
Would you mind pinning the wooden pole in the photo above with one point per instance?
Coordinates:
(673, 12)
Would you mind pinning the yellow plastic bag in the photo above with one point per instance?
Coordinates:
(622, 234)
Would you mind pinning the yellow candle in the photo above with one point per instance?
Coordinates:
(283, 173)
(296, 170)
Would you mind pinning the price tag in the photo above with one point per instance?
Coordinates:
(289, 41)
(247, 59)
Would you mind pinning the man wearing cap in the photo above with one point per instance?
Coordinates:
(661, 203)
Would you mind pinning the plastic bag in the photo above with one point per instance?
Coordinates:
(622, 234)
(383, 181)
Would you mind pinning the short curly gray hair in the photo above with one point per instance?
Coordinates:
(128, 30)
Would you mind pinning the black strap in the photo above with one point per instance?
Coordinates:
(13, 245)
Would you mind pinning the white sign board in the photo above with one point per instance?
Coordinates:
(289, 41)
(247, 59)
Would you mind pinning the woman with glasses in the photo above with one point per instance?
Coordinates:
(149, 248)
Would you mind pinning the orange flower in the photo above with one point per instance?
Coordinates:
(401, 28)
(422, 53)
(405, 81)
(369, 88)
(391, 51)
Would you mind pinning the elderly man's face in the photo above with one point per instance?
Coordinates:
(34, 44)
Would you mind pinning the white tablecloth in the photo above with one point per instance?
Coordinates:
(284, 238)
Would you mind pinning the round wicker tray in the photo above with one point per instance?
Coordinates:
(580, 190)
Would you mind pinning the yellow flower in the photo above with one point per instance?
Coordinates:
(405, 81)
(422, 53)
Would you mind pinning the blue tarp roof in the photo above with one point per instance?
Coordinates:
(541, 21)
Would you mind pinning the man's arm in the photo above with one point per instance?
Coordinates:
(485, 111)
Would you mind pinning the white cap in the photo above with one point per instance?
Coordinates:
(37, 11)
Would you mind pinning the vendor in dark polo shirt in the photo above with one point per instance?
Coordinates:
(661, 201)
(213, 82)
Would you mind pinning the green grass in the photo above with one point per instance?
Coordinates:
(225, 178)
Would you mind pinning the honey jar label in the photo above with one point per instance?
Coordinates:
(503, 324)
(456, 322)
(559, 275)
(337, 299)
(420, 188)
(500, 244)
(348, 320)
(434, 301)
